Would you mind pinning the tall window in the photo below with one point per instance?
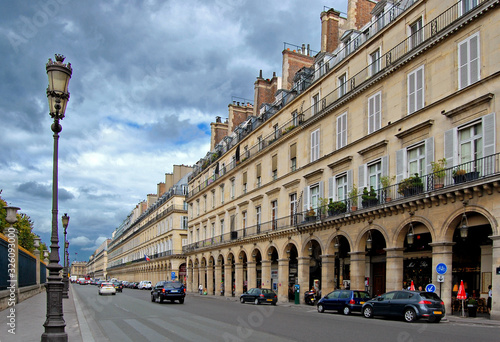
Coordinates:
(222, 194)
(293, 208)
(374, 174)
(274, 166)
(213, 199)
(315, 104)
(295, 118)
(315, 145)
(258, 217)
(467, 5)
(416, 33)
(416, 160)
(471, 142)
(184, 222)
(259, 141)
(198, 207)
(293, 157)
(213, 229)
(232, 188)
(374, 112)
(342, 84)
(468, 61)
(244, 222)
(314, 196)
(274, 214)
(205, 203)
(221, 227)
(342, 130)
(416, 90)
(374, 62)
(341, 187)
(276, 131)
(259, 175)
(244, 180)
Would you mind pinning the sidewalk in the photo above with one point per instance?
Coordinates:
(30, 315)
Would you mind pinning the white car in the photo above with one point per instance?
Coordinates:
(144, 285)
(107, 288)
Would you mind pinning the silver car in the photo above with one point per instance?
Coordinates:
(107, 288)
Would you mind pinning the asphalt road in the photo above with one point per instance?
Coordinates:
(131, 316)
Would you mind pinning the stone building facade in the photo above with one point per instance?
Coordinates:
(378, 164)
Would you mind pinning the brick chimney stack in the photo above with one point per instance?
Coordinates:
(293, 61)
(265, 91)
(330, 21)
(359, 13)
(218, 132)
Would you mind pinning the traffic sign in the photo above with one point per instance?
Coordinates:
(173, 275)
(440, 278)
(441, 268)
(430, 288)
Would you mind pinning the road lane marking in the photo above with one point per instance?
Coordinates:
(177, 330)
(150, 334)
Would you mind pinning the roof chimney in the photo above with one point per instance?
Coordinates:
(329, 30)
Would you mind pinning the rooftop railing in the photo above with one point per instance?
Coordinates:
(407, 189)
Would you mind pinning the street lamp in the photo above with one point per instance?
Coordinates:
(65, 221)
(369, 241)
(59, 75)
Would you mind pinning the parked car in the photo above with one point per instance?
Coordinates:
(107, 288)
(118, 286)
(411, 305)
(258, 296)
(344, 301)
(144, 285)
(81, 281)
(170, 290)
(134, 285)
(99, 282)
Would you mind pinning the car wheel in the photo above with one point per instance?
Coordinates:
(160, 299)
(152, 298)
(368, 312)
(273, 303)
(100, 294)
(181, 301)
(114, 293)
(346, 311)
(435, 319)
(321, 309)
(242, 300)
(256, 301)
(410, 315)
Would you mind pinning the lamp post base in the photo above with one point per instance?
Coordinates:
(54, 324)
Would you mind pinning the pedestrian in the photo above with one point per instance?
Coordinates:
(420, 288)
(488, 303)
(200, 289)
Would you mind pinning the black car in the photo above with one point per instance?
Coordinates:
(170, 290)
(118, 286)
(345, 301)
(411, 305)
(258, 296)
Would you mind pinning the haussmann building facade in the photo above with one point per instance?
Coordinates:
(364, 165)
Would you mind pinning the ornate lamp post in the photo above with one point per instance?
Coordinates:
(65, 221)
(59, 75)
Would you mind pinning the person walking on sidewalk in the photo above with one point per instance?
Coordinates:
(488, 303)
(200, 289)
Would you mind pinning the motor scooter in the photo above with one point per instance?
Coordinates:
(310, 297)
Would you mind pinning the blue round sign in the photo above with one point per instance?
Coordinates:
(441, 268)
(430, 288)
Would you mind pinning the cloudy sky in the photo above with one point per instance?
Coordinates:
(148, 78)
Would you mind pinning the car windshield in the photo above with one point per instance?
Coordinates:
(429, 295)
(173, 285)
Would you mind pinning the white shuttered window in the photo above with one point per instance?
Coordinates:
(315, 145)
(416, 90)
(374, 112)
(342, 130)
(468, 61)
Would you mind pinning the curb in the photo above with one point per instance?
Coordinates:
(82, 321)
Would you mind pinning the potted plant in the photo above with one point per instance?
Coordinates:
(336, 208)
(310, 214)
(411, 186)
(369, 197)
(288, 129)
(461, 175)
(353, 197)
(323, 206)
(386, 182)
(438, 172)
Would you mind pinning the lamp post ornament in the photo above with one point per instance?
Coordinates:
(59, 75)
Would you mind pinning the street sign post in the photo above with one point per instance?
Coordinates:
(441, 268)
(430, 288)
(440, 278)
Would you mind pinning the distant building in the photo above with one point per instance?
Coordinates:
(78, 269)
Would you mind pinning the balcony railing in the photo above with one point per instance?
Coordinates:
(407, 189)
(384, 63)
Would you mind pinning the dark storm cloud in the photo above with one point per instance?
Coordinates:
(148, 78)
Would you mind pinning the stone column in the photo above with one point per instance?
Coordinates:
(218, 279)
(238, 275)
(303, 275)
(394, 269)
(210, 279)
(266, 274)
(189, 282)
(228, 286)
(196, 279)
(37, 256)
(495, 279)
(203, 271)
(357, 270)
(283, 271)
(327, 274)
(442, 252)
(251, 274)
